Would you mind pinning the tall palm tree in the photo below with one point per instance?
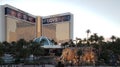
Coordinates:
(88, 31)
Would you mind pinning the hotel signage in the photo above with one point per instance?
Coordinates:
(20, 15)
(56, 19)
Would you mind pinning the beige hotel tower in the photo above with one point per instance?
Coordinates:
(16, 24)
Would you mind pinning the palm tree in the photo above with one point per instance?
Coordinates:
(91, 39)
(7, 48)
(101, 38)
(79, 42)
(15, 53)
(71, 44)
(39, 51)
(22, 43)
(118, 40)
(64, 44)
(54, 42)
(1, 50)
(24, 53)
(84, 40)
(88, 31)
(95, 36)
(36, 49)
(113, 38)
(13, 48)
(22, 50)
(1, 53)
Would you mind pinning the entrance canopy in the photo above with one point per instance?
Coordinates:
(46, 43)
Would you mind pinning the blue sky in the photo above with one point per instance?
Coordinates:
(100, 16)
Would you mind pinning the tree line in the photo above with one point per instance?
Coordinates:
(107, 51)
(21, 49)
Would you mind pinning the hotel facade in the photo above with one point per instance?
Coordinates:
(16, 24)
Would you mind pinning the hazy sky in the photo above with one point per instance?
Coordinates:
(100, 16)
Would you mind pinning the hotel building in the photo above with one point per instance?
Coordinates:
(58, 27)
(16, 24)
